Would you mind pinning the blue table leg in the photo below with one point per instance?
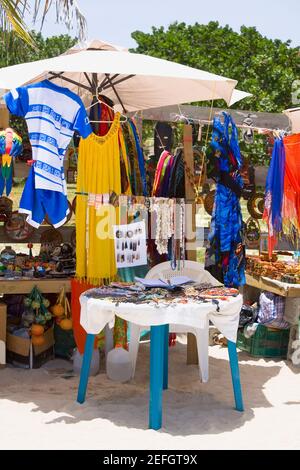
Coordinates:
(85, 368)
(235, 375)
(157, 344)
(166, 358)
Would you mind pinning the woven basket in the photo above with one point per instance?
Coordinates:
(255, 205)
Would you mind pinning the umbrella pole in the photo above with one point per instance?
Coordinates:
(192, 356)
(115, 92)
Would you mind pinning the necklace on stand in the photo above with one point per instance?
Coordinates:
(163, 208)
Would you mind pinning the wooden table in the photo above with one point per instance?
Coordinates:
(270, 285)
(24, 286)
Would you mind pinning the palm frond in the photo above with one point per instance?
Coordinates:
(11, 18)
(67, 12)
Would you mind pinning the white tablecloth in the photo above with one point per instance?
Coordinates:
(96, 313)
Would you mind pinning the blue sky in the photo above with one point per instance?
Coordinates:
(114, 20)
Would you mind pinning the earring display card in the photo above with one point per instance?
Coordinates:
(130, 244)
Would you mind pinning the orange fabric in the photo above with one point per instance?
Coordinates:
(77, 288)
(291, 198)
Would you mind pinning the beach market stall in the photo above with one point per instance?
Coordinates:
(108, 83)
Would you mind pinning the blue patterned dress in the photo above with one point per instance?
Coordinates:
(225, 257)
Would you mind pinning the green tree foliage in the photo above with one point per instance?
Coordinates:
(264, 67)
(13, 50)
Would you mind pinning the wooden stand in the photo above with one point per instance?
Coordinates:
(4, 117)
(192, 356)
(25, 286)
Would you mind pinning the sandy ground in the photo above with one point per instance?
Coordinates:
(38, 408)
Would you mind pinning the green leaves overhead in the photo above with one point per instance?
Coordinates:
(14, 51)
(264, 67)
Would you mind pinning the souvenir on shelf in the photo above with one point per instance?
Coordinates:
(10, 147)
(6, 206)
(62, 311)
(252, 233)
(16, 227)
(50, 239)
(280, 270)
(37, 316)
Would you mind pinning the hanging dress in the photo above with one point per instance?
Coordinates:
(225, 257)
(99, 175)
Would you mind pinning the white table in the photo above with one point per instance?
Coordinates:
(97, 313)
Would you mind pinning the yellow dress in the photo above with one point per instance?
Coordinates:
(99, 173)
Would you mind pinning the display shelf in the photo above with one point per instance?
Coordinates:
(25, 286)
(271, 285)
(66, 232)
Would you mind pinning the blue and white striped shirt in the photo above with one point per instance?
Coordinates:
(52, 114)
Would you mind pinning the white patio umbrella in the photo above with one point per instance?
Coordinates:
(132, 81)
(294, 116)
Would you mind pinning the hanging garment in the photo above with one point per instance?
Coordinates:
(100, 111)
(274, 194)
(160, 172)
(163, 138)
(164, 185)
(177, 176)
(99, 173)
(136, 161)
(133, 161)
(52, 114)
(140, 155)
(225, 257)
(291, 197)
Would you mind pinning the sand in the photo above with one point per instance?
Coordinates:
(38, 408)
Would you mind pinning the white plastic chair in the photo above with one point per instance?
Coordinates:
(196, 272)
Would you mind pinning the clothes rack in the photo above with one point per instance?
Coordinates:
(187, 120)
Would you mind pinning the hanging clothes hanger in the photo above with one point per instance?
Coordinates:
(102, 102)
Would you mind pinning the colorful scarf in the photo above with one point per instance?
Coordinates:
(291, 197)
(274, 193)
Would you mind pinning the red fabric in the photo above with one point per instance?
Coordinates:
(77, 288)
(107, 114)
(292, 179)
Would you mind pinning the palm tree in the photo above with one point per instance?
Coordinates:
(12, 15)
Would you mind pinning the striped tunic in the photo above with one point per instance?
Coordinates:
(52, 114)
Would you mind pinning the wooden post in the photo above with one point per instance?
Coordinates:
(192, 356)
(4, 117)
